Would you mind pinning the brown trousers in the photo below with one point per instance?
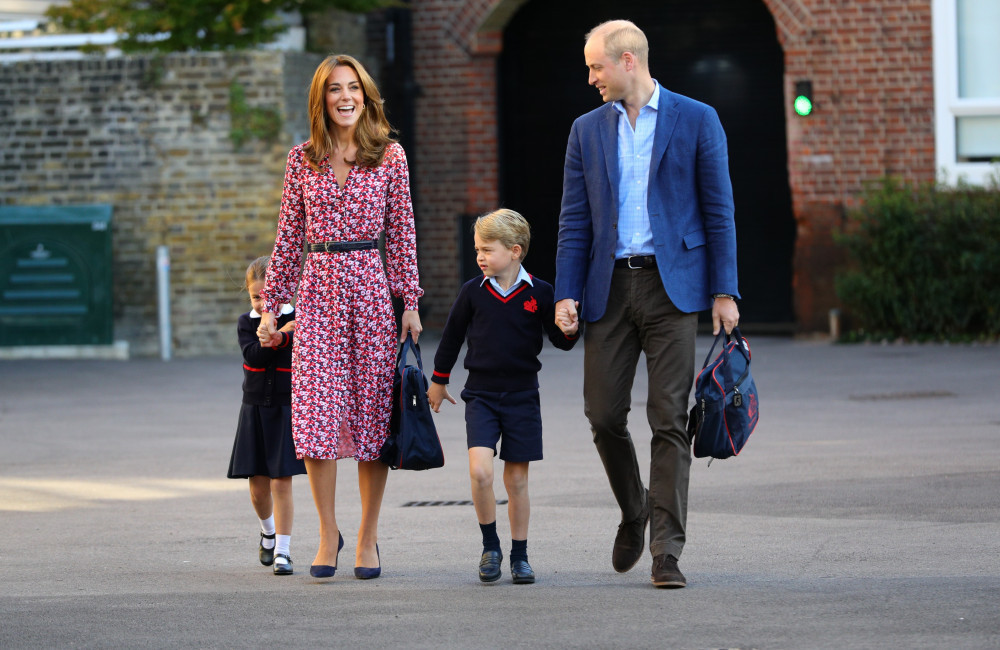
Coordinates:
(641, 318)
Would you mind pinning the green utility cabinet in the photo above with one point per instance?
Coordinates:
(55, 275)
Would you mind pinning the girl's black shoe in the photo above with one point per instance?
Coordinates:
(266, 554)
(282, 565)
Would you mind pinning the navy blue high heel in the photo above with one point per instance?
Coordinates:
(365, 573)
(325, 570)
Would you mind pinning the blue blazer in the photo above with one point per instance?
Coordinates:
(689, 200)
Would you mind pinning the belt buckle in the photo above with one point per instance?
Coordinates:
(629, 262)
(326, 247)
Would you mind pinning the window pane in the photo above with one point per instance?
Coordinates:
(978, 48)
(978, 138)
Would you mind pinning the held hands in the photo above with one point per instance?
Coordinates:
(567, 318)
(267, 333)
(436, 394)
(724, 311)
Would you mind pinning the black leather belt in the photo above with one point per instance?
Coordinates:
(341, 246)
(636, 262)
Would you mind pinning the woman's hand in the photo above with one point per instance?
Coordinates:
(266, 331)
(410, 325)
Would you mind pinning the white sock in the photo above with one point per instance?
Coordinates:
(267, 527)
(282, 544)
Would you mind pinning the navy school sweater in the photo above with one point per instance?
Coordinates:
(504, 335)
(267, 372)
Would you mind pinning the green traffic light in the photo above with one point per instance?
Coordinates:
(803, 105)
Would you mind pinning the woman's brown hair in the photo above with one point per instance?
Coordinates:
(373, 132)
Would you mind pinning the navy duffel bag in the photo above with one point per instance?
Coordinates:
(726, 402)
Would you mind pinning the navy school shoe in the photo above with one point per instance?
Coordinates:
(266, 554)
(325, 570)
(521, 572)
(489, 566)
(365, 573)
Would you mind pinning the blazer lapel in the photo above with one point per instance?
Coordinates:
(609, 142)
(666, 119)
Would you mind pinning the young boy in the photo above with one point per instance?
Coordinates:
(502, 316)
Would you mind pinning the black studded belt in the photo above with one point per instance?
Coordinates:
(636, 262)
(341, 246)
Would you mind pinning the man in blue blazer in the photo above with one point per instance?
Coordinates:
(646, 240)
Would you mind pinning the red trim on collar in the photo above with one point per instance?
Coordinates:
(497, 295)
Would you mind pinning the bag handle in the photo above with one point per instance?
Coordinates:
(708, 357)
(736, 335)
(408, 345)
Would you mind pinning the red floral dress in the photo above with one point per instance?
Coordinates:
(345, 332)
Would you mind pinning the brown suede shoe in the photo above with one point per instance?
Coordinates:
(666, 574)
(630, 540)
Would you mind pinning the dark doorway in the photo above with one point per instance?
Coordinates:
(722, 52)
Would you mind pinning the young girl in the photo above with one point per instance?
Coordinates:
(263, 450)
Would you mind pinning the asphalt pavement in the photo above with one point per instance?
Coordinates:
(863, 513)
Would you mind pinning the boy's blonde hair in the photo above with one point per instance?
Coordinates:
(505, 226)
(257, 270)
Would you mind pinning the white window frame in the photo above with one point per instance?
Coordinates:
(948, 105)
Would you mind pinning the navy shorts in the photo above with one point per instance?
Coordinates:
(514, 417)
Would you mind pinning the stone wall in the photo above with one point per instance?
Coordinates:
(151, 136)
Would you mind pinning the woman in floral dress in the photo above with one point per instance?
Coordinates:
(346, 185)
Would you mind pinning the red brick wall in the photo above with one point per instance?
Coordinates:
(870, 62)
(456, 136)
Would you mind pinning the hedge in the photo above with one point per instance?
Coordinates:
(924, 263)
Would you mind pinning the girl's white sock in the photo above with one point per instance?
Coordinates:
(282, 544)
(267, 527)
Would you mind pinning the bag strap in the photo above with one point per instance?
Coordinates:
(409, 345)
(708, 357)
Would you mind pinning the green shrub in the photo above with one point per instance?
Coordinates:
(924, 263)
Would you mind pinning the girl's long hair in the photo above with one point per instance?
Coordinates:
(373, 132)
(257, 270)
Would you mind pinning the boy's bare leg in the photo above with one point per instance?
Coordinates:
(515, 479)
(481, 477)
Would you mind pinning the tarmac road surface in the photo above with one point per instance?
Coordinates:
(863, 513)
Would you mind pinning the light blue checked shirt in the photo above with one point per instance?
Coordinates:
(635, 148)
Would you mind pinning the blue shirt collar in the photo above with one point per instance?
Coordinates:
(653, 103)
(522, 276)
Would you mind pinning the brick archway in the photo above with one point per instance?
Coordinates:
(871, 67)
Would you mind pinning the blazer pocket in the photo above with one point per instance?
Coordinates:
(694, 239)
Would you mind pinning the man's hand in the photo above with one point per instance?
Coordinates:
(436, 394)
(567, 318)
(724, 311)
